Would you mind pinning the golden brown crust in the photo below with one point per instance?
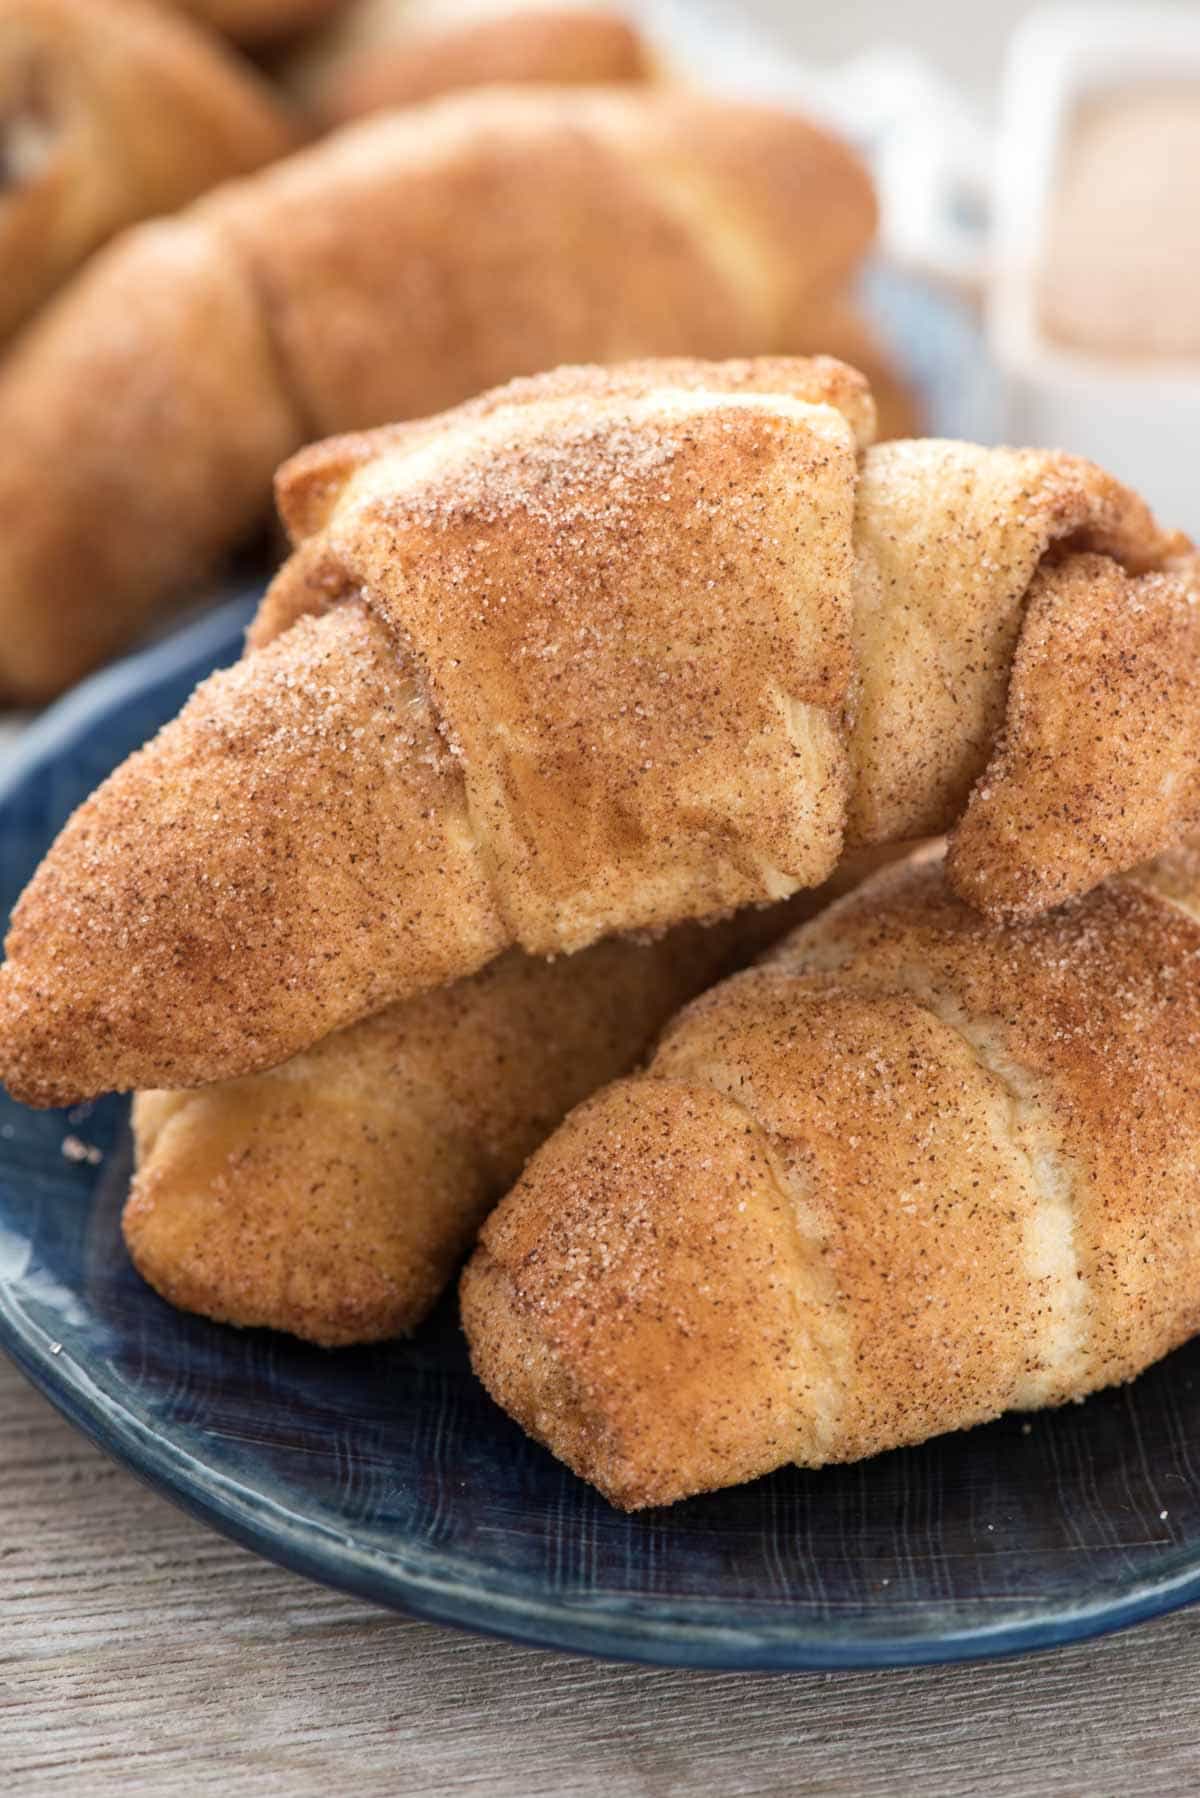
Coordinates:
(85, 414)
(333, 1197)
(693, 1183)
(685, 645)
(563, 46)
(314, 484)
(949, 539)
(331, 756)
(111, 112)
(1088, 1018)
(310, 583)
(388, 272)
(956, 1162)
(669, 637)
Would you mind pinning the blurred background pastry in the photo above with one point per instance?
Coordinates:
(391, 270)
(1035, 276)
(380, 53)
(112, 111)
(602, 208)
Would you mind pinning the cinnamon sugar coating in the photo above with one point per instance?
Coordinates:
(600, 652)
(914, 1170)
(1105, 680)
(334, 1196)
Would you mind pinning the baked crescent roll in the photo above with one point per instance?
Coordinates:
(111, 111)
(910, 1173)
(381, 56)
(334, 1196)
(604, 651)
(385, 273)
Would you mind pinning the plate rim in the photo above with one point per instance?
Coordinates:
(305, 1546)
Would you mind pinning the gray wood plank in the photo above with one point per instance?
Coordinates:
(140, 1654)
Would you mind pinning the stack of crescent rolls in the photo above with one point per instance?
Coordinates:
(656, 649)
(581, 697)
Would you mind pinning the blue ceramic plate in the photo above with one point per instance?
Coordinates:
(388, 1472)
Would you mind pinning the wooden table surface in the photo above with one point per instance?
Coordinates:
(141, 1654)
